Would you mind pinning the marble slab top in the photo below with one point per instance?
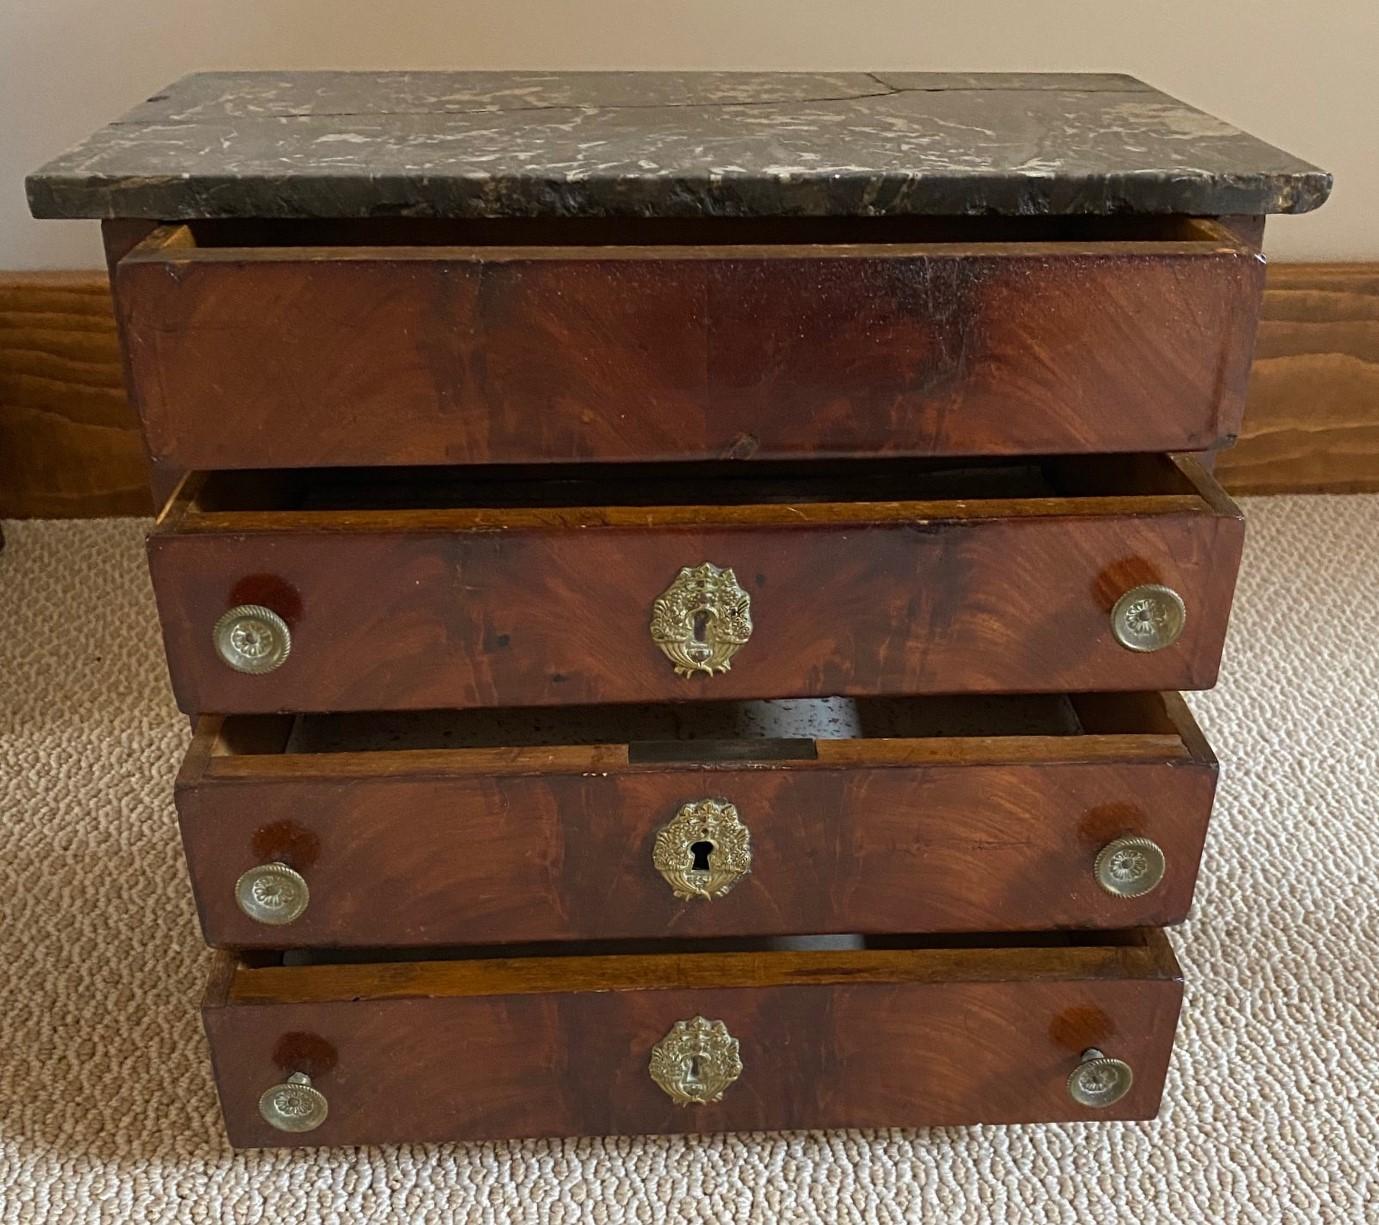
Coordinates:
(673, 144)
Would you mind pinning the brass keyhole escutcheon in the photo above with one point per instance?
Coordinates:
(704, 850)
(702, 620)
(696, 1061)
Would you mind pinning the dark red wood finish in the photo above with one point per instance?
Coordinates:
(442, 609)
(489, 846)
(345, 354)
(410, 1052)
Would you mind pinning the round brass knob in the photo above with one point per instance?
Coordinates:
(253, 639)
(1130, 867)
(1099, 1080)
(294, 1105)
(272, 893)
(696, 1061)
(704, 850)
(1148, 618)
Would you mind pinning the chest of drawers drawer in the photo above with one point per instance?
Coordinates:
(338, 353)
(733, 819)
(911, 1035)
(1055, 577)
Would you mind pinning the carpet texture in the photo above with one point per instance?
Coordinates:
(108, 1112)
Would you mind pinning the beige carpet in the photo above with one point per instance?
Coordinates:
(107, 1111)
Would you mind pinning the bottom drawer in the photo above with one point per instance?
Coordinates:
(766, 1035)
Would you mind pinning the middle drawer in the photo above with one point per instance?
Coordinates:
(759, 818)
(428, 589)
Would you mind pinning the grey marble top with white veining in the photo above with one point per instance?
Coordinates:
(675, 144)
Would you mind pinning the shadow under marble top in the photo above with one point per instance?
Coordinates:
(672, 144)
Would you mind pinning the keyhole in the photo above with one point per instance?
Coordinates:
(701, 852)
(695, 1073)
(701, 627)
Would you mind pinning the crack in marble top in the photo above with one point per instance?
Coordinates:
(485, 144)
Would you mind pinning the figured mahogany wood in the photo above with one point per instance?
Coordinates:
(338, 355)
(392, 610)
(985, 834)
(1311, 424)
(861, 1039)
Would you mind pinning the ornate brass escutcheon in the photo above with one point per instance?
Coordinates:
(696, 1061)
(704, 850)
(702, 619)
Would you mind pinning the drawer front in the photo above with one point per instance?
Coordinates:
(407, 612)
(294, 357)
(474, 847)
(862, 1039)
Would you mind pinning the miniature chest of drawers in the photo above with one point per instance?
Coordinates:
(681, 581)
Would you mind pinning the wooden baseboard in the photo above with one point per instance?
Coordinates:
(1312, 417)
(69, 441)
(70, 446)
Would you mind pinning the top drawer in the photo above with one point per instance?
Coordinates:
(1130, 336)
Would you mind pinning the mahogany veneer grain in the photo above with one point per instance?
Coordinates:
(295, 356)
(428, 608)
(432, 1051)
(419, 847)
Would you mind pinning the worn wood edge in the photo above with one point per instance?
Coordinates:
(70, 444)
(562, 519)
(205, 736)
(220, 980)
(1130, 485)
(1191, 732)
(1149, 727)
(583, 759)
(170, 245)
(1147, 955)
(1207, 487)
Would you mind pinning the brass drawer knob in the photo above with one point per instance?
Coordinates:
(253, 639)
(702, 619)
(1130, 867)
(1099, 1080)
(704, 850)
(696, 1062)
(294, 1105)
(272, 893)
(1148, 618)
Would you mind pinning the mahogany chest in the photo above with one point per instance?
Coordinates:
(681, 580)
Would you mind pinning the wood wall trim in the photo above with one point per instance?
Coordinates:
(70, 446)
(1312, 414)
(69, 440)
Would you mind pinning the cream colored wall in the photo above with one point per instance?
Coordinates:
(1300, 74)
